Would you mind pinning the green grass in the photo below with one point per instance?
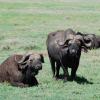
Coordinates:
(24, 25)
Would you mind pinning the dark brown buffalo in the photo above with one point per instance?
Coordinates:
(64, 49)
(97, 41)
(20, 70)
(93, 39)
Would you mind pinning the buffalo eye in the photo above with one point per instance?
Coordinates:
(67, 42)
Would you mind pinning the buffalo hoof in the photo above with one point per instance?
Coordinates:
(56, 78)
(71, 79)
(65, 80)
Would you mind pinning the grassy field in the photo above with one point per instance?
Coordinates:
(24, 25)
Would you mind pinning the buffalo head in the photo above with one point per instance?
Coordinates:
(90, 40)
(74, 44)
(32, 62)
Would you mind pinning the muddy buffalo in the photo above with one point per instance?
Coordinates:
(20, 70)
(64, 49)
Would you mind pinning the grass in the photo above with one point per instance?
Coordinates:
(24, 25)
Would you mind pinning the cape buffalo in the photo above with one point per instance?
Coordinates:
(93, 39)
(20, 70)
(64, 49)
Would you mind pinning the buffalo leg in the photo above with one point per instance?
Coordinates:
(52, 66)
(65, 70)
(57, 70)
(73, 73)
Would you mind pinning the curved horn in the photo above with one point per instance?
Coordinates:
(23, 59)
(89, 45)
(15, 59)
(61, 44)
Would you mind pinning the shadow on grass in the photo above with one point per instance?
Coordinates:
(82, 80)
(78, 79)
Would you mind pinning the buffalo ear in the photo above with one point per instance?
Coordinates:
(42, 58)
(84, 49)
(79, 33)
